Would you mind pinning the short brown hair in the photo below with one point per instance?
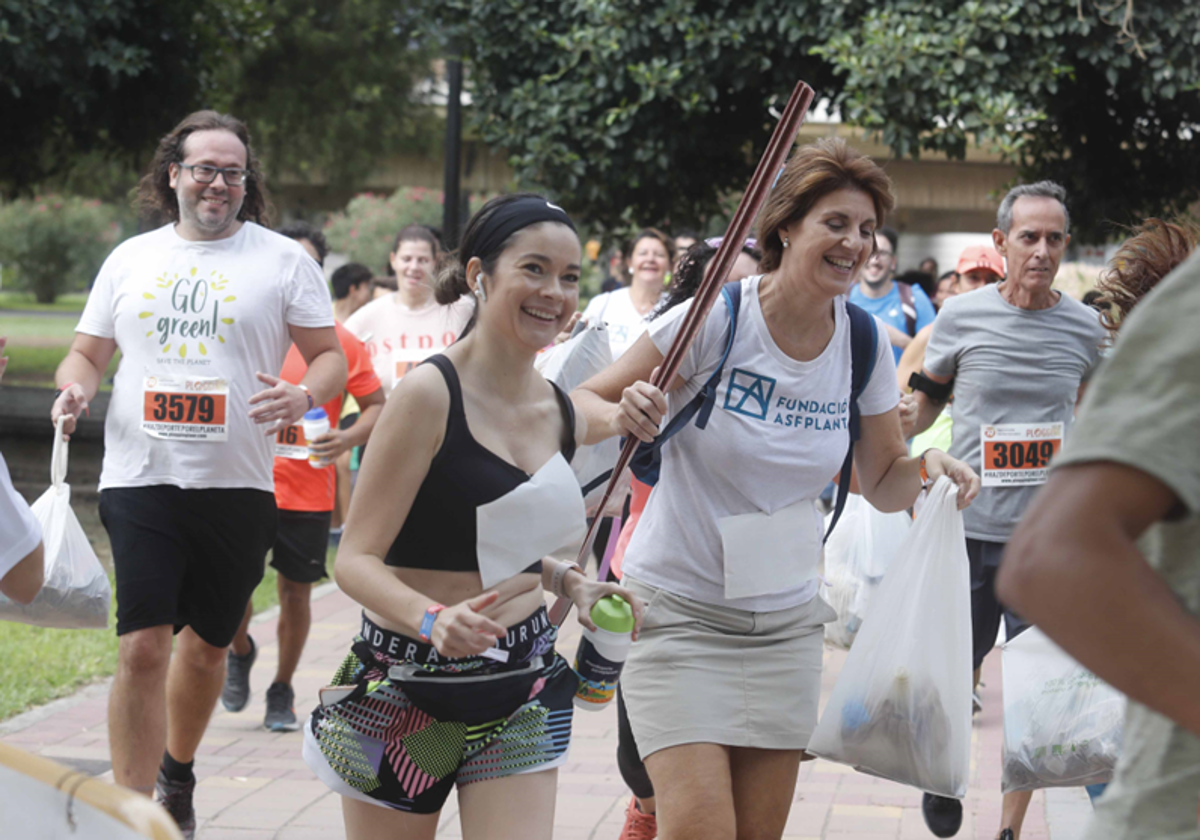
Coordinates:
(1145, 258)
(157, 201)
(814, 172)
(652, 233)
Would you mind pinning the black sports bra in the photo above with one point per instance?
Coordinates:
(477, 512)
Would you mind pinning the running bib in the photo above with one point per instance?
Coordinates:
(190, 408)
(1019, 454)
(290, 443)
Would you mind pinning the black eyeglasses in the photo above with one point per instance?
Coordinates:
(205, 174)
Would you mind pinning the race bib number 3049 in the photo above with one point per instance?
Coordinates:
(188, 408)
(1019, 454)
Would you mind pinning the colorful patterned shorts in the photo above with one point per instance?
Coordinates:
(404, 741)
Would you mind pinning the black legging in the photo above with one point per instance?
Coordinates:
(633, 771)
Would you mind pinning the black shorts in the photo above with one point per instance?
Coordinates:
(348, 421)
(300, 545)
(986, 609)
(188, 558)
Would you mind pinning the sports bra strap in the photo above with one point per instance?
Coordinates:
(452, 384)
(568, 413)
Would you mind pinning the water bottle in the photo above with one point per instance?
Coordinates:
(601, 654)
(316, 423)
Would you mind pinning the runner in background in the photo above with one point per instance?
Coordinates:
(640, 821)
(626, 311)
(304, 499)
(22, 555)
(351, 292)
(1117, 527)
(903, 308)
(404, 328)
(978, 265)
(1013, 355)
(203, 311)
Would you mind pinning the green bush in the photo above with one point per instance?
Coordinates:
(365, 230)
(56, 242)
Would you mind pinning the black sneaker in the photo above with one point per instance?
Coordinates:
(943, 815)
(176, 799)
(1006, 834)
(236, 693)
(281, 715)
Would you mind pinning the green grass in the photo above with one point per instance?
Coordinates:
(72, 302)
(40, 329)
(41, 664)
(35, 366)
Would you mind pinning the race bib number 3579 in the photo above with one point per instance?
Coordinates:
(190, 408)
(1019, 454)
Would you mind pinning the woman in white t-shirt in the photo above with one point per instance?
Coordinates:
(403, 328)
(627, 310)
(723, 684)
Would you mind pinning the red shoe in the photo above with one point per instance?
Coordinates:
(638, 826)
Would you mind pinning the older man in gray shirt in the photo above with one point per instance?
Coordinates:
(1013, 356)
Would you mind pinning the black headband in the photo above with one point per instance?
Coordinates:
(515, 216)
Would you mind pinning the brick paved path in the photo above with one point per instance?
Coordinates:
(254, 785)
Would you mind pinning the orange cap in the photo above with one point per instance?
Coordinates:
(981, 256)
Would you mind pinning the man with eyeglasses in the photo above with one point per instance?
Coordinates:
(904, 309)
(203, 310)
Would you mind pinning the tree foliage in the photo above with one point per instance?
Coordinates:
(99, 76)
(57, 243)
(88, 86)
(330, 88)
(626, 108)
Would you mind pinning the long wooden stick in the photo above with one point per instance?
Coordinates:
(780, 144)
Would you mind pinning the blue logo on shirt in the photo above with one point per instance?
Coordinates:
(749, 394)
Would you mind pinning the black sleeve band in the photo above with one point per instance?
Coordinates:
(937, 391)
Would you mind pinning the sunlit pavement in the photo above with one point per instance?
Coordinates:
(254, 785)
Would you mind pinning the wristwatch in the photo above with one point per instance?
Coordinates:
(431, 615)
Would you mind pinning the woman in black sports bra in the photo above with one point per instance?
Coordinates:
(467, 488)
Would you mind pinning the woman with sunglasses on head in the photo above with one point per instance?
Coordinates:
(454, 681)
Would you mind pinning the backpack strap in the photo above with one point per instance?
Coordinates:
(907, 306)
(863, 346)
(646, 460)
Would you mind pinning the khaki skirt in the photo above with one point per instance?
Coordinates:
(700, 673)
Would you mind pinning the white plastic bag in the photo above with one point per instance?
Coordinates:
(1062, 724)
(76, 594)
(901, 708)
(569, 365)
(858, 553)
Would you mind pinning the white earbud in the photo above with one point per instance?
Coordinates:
(480, 292)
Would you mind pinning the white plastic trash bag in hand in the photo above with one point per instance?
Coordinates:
(858, 553)
(569, 365)
(1062, 723)
(76, 593)
(901, 708)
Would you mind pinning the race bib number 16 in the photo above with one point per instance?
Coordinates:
(1019, 454)
(186, 408)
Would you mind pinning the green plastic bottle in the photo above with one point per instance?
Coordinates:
(601, 654)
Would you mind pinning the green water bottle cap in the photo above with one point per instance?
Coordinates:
(613, 613)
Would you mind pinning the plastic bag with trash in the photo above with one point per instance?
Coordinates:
(76, 594)
(1062, 724)
(901, 708)
(859, 551)
(569, 365)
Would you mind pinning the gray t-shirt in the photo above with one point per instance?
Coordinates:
(1010, 366)
(1142, 410)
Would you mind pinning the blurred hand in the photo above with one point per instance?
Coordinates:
(908, 414)
(641, 410)
(330, 445)
(461, 631)
(585, 592)
(567, 330)
(281, 405)
(71, 403)
(938, 463)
